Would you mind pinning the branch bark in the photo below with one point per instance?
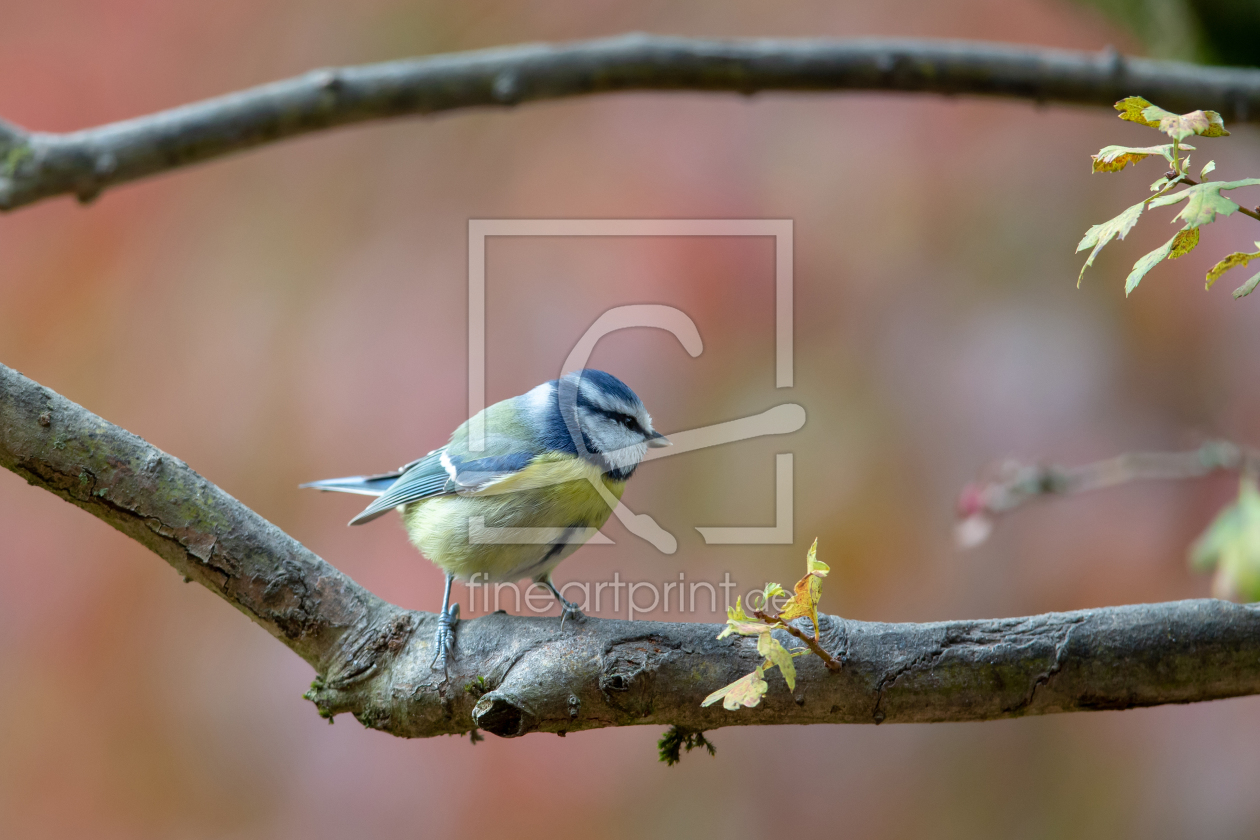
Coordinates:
(37, 165)
(514, 675)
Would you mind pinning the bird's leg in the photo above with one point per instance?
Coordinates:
(447, 619)
(568, 609)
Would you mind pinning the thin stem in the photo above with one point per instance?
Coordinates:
(832, 663)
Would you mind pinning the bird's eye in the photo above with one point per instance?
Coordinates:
(626, 420)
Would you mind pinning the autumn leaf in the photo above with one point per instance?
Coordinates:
(1231, 546)
(1204, 202)
(777, 655)
(1178, 126)
(1131, 109)
(808, 590)
(1181, 126)
(1184, 242)
(1232, 261)
(746, 691)
(1115, 158)
(1100, 235)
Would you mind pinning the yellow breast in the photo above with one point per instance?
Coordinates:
(552, 494)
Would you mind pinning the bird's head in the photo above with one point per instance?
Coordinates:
(616, 429)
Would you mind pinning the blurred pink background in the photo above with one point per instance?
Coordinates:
(298, 313)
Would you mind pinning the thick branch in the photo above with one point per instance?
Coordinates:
(207, 535)
(513, 675)
(36, 165)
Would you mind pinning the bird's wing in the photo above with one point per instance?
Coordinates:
(443, 473)
(419, 480)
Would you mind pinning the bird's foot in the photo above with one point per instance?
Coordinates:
(569, 610)
(445, 639)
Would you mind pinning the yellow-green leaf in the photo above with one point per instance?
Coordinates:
(1100, 235)
(1231, 546)
(813, 564)
(1131, 109)
(1232, 261)
(776, 654)
(746, 691)
(1208, 168)
(1180, 126)
(737, 621)
(1115, 158)
(1184, 242)
(1146, 263)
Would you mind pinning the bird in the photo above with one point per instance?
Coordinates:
(556, 458)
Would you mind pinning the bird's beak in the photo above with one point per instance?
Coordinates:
(658, 440)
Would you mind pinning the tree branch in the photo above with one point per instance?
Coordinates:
(1017, 484)
(513, 675)
(36, 165)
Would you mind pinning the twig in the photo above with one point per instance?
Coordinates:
(831, 662)
(1016, 484)
(36, 165)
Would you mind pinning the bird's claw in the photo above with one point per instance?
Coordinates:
(569, 610)
(445, 638)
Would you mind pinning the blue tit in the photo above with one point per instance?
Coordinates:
(554, 460)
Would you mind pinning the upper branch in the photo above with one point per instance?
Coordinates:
(36, 165)
(512, 675)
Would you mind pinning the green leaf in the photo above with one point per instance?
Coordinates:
(1184, 242)
(1100, 235)
(1247, 288)
(776, 654)
(1231, 546)
(1115, 158)
(772, 590)
(1207, 168)
(1233, 260)
(1204, 202)
(1146, 263)
(745, 691)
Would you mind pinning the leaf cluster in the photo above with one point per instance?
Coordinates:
(749, 689)
(1231, 546)
(1203, 200)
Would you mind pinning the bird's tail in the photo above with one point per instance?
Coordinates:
(362, 485)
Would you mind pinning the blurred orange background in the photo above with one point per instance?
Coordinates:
(299, 312)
